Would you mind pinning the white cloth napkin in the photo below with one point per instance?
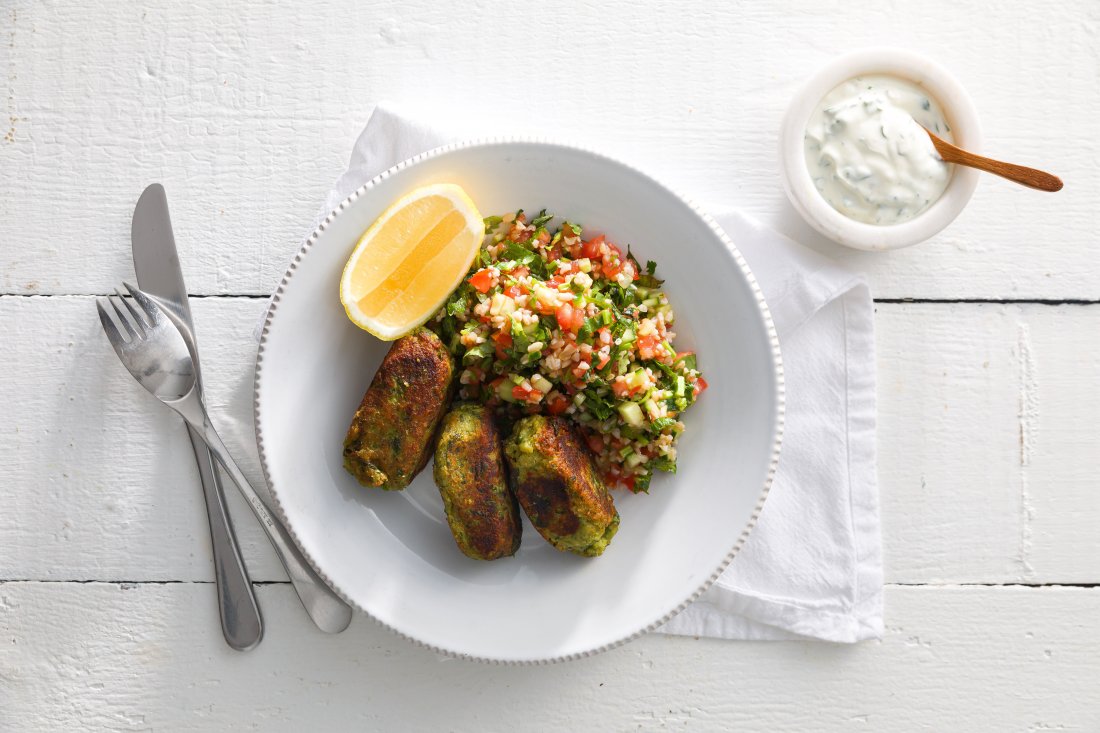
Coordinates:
(812, 567)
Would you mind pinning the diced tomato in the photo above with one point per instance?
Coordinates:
(591, 248)
(482, 280)
(514, 291)
(613, 250)
(557, 404)
(612, 269)
(521, 271)
(647, 346)
(553, 253)
(620, 389)
(570, 318)
(595, 443)
(628, 482)
(502, 341)
(534, 396)
(524, 392)
(700, 386)
(604, 358)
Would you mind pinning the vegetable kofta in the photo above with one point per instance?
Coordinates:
(390, 437)
(469, 471)
(555, 480)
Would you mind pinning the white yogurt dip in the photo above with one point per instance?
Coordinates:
(867, 154)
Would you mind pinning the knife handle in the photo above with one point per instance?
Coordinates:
(242, 624)
(326, 609)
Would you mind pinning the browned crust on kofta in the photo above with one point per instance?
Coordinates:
(555, 480)
(469, 470)
(390, 437)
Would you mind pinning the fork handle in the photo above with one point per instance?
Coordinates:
(242, 624)
(327, 610)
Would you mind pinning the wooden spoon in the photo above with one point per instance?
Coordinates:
(1029, 177)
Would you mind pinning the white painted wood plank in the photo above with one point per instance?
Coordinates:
(150, 657)
(989, 450)
(100, 483)
(105, 484)
(246, 112)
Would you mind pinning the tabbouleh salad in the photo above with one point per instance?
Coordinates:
(549, 322)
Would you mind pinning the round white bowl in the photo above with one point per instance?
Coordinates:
(804, 196)
(392, 555)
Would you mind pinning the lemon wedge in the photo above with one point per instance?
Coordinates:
(412, 257)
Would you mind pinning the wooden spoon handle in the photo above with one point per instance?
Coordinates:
(1030, 177)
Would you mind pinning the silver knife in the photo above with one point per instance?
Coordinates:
(158, 272)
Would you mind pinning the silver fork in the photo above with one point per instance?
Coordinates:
(151, 347)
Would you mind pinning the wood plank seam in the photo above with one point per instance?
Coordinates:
(134, 583)
(877, 301)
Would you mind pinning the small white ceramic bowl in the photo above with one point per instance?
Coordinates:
(961, 116)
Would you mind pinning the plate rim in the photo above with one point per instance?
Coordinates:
(491, 141)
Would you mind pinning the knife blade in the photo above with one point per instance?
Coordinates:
(157, 266)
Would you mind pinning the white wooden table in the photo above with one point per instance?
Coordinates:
(989, 449)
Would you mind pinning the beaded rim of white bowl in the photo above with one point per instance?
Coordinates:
(769, 327)
(961, 116)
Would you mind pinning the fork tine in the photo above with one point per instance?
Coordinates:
(109, 326)
(130, 307)
(114, 300)
(146, 304)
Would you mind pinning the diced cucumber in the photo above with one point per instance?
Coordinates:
(541, 383)
(636, 379)
(635, 459)
(680, 385)
(632, 414)
(504, 391)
